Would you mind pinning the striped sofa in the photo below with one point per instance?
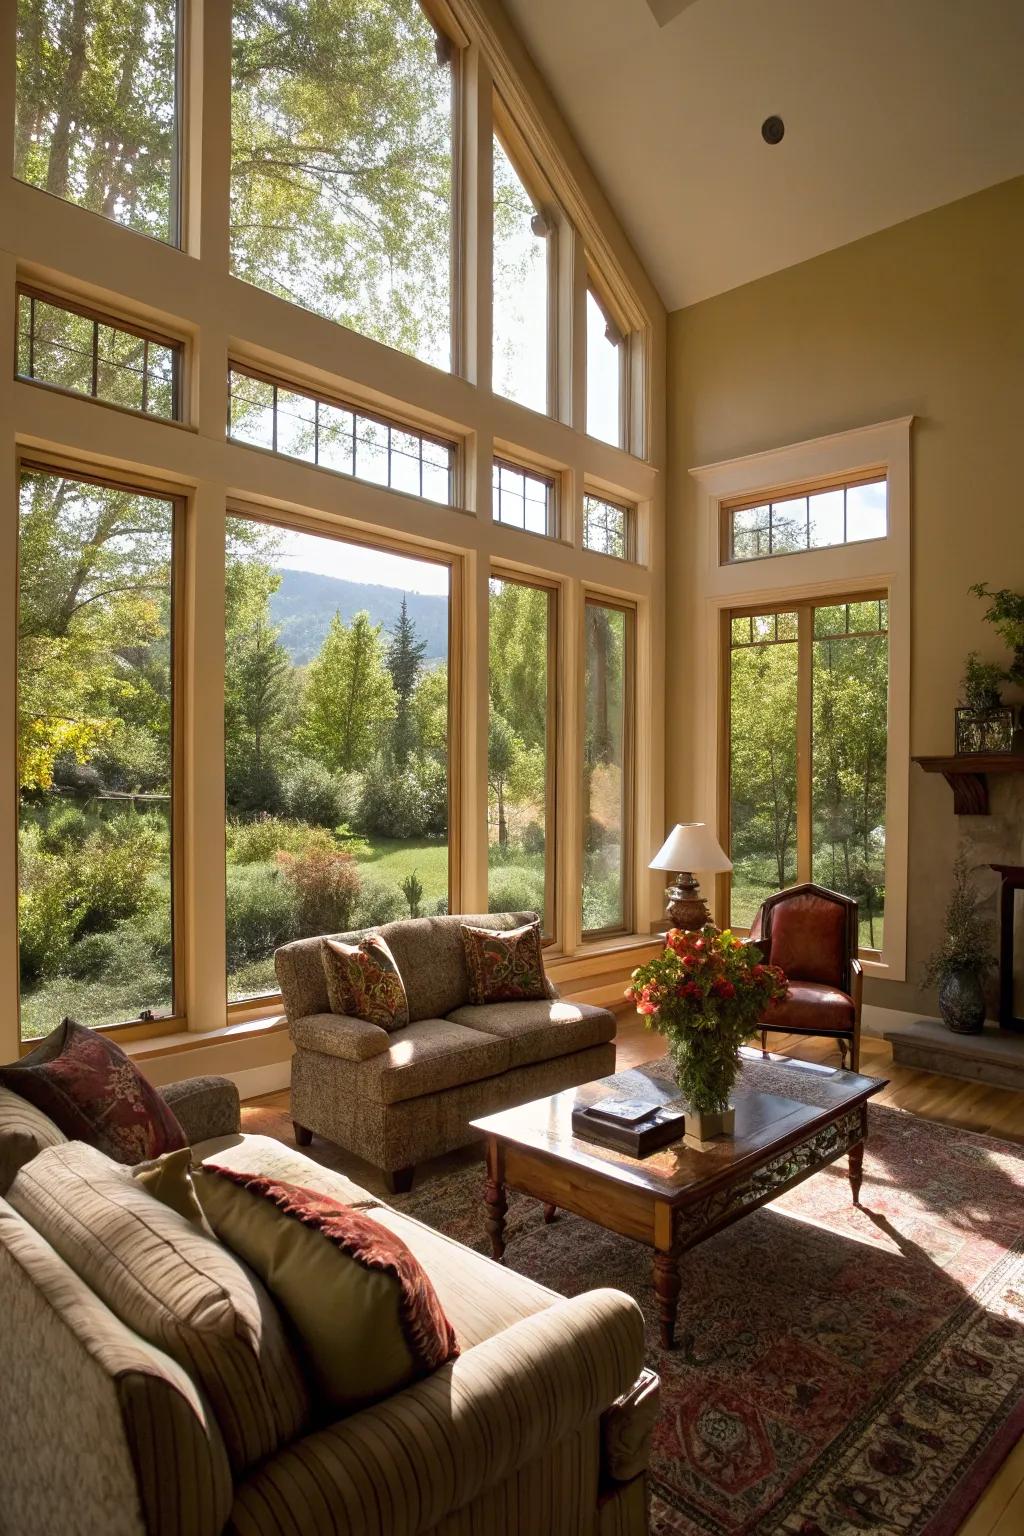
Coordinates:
(541, 1427)
(399, 1097)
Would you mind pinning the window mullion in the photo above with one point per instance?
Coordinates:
(804, 741)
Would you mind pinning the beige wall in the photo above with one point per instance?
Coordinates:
(926, 318)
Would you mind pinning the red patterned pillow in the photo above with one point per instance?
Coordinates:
(505, 966)
(93, 1092)
(364, 982)
(358, 1300)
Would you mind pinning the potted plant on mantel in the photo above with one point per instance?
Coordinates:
(705, 993)
(983, 722)
(960, 962)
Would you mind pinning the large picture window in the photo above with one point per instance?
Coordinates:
(521, 755)
(341, 165)
(97, 107)
(608, 695)
(336, 741)
(520, 304)
(95, 752)
(808, 705)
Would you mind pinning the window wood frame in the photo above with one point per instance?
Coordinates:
(630, 513)
(594, 597)
(804, 609)
(310, 523)
(140, 1027)
(552, 887)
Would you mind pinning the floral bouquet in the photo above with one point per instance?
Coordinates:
(705, 993)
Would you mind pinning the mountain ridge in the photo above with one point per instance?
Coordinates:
(306, 602)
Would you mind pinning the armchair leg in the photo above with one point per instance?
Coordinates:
(303, 1137)
(843, 1049)
(764, 1042)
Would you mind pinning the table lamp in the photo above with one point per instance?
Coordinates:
(690, 845)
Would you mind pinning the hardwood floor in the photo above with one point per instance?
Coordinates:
(947, 1100)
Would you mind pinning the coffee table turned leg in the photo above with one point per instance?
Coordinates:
(856, 1170)
(550, 1212)
(497, 1205)
(667, 1285)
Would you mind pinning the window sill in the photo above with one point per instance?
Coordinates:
(191, 1040)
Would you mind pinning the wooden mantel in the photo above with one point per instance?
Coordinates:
(967, 776)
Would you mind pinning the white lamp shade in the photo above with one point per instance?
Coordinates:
(691, 845)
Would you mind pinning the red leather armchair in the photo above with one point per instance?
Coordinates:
(812, 934)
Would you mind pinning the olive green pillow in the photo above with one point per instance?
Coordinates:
(362, 1307)
(169, 1180)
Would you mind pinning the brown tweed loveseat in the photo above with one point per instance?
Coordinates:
(397, 1097)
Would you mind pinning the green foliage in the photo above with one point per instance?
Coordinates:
(404, 659)
(763, 756)
(602, 897)
(407, 803)
(348, 697)
(967, 942)
(314, 794)
(341, 164)
(114, 870)
(980, 683)
(260, 913)
(377, 903)
(95, 106)
(325, 886)
(704, 993)
(50, 913)
(515, 888)
(64, 828)
(429, 707)
(260, 841)
(1005, 612)
(412, 890)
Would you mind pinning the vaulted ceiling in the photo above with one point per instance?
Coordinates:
(891, 107)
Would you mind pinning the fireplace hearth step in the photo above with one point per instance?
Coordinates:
(995, 1056)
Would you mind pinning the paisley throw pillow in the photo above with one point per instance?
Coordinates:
(504, 967)
(364, 982)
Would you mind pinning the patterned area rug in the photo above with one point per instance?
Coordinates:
(839, 1371)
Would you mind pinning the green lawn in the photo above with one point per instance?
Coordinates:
(391, 861)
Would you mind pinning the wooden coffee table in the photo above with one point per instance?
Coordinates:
(793, 1118)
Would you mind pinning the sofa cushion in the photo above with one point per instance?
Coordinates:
(428, 1057)
(539, 1031)
(811, 1006)
(94, 1092)
(360, 1303)
(180, 1289)
(24, 1131)
(100, 1421)
(276, 1160)
(480, 1298)
(428, 951)
(363, 981)
(504, 967)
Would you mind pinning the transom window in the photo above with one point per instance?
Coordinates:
(266, 413)
(67, 346)
(837, 514)
(524, 498)
(808, 690)
(608, 527)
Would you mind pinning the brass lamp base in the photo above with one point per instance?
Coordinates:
(686, 906)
